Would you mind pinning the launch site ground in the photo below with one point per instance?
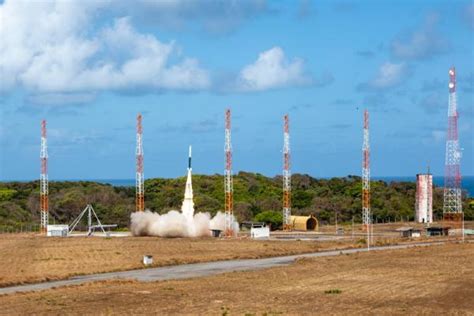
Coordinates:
(29, 258)
(437, 279)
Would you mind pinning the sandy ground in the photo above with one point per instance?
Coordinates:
(29, 258)
(432, 280)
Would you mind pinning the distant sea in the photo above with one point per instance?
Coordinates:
(467, 182)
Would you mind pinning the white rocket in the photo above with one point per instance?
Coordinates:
(188, 204)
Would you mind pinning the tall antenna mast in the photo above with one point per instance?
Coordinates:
(452, 178)
(228, 185)
(366, 177)
(140, 179)
(286, 175)
(44, 207)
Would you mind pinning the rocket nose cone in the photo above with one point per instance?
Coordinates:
(189, 159)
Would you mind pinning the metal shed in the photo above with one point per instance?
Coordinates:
(437, 231)
(409, 232)
(304, 223)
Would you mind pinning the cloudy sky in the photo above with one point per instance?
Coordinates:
(88, 68)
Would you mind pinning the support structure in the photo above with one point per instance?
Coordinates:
(452, 206)
(140, 179)
(44, 207)
(286, 175)
(228, 184)
(91, 214)
(366, 216)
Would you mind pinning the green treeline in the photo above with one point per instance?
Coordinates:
(253, 195)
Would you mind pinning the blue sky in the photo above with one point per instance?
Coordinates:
(88, 68)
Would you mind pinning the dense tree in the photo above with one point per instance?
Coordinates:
(254, 194)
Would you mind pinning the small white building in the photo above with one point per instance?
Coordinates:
(259, 231)
(424, 198)
(147, 260)
(57, 230)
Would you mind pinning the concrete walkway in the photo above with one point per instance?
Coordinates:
(186, 271)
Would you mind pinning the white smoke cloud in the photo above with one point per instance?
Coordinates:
(175, 224)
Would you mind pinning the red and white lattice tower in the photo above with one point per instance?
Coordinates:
(140, 179)
(452, 178)
(44, 207)
(366, 174)
(228, 184)
(286, 175)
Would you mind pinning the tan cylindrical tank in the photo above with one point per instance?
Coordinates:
(304, 223)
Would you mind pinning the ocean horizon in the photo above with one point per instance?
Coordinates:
(467, 182)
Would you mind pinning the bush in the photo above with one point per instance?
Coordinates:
(275, 219)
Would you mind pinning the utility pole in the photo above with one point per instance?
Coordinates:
(352, 227)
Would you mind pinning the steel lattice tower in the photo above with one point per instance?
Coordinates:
(44, 207)
(286, 175)
(228, 184)
(366, 174)
(140, 179)
(452, 178)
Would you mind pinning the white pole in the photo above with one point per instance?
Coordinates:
(368, 236)
(462, 226)
(352, 227)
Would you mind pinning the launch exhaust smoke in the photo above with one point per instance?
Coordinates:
(175, 224)
(180, 224)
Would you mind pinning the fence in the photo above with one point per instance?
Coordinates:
(19, 228)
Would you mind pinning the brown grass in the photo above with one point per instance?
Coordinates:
(30, 258)
(434, 280)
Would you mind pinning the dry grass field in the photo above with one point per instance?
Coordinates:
(437, 280)
(388, 229)
(29, 258)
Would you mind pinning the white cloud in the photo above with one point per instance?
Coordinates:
(389, 75)
(272, 70)
(52, 47)
(422, 43)
(58, 99)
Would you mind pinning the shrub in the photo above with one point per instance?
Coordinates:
(275, 219)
